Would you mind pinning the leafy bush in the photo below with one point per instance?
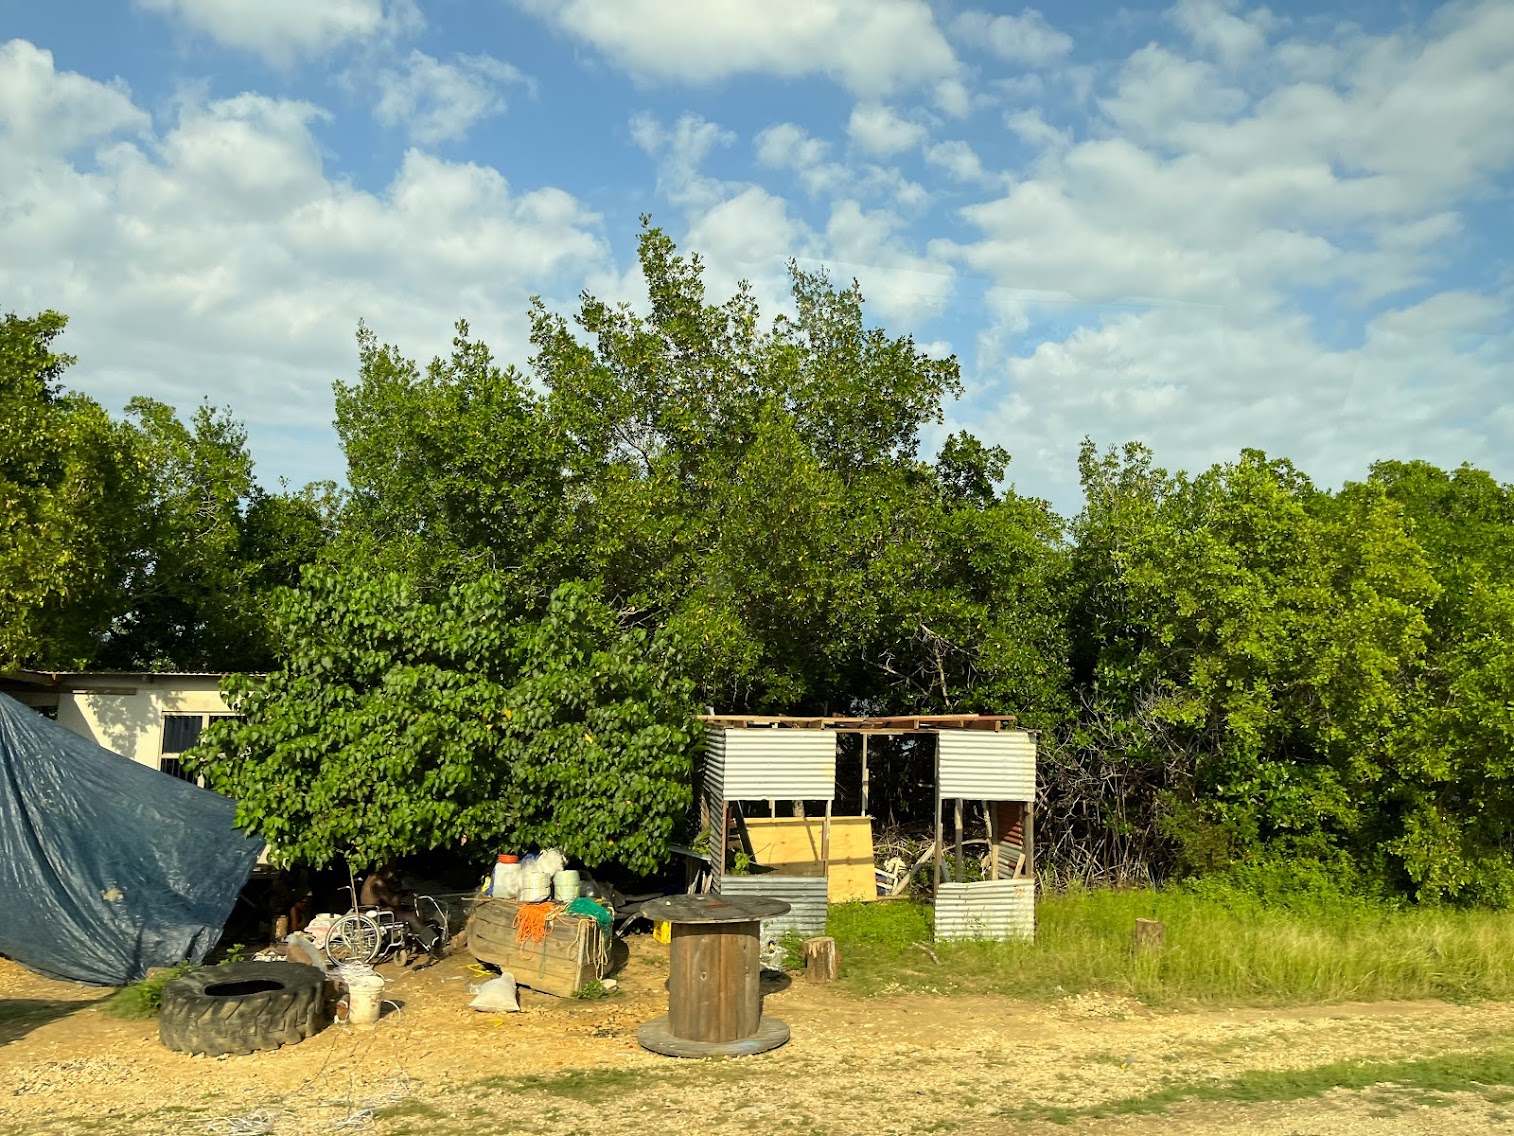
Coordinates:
(143, 999)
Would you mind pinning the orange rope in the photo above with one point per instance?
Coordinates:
(533, 921)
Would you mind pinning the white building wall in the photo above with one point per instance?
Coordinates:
(129, 718)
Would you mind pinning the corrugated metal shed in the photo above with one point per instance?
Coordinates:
(990, 909)
(805, 895)
(712, 776)
(987, 766)
(762, 765)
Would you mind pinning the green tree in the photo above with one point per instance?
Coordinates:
(1259, 640)
(398, 723)
(70, 489)
(451, 470)
(1450, 821)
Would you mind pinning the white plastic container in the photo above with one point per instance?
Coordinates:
(505, 883)
(565, 885)
(365, 995)
(535, 886)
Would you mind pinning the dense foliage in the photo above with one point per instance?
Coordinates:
(398, 722)
(497, 630)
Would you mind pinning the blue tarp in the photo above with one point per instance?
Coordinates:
(107, 867)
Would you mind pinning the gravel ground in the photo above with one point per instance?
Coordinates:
(889, 1064)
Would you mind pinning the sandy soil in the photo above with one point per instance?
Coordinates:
(891, 1064)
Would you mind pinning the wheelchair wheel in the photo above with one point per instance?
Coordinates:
(354, 938)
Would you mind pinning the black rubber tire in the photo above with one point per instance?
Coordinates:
(192, 1021)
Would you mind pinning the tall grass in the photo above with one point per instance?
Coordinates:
(1222, 947)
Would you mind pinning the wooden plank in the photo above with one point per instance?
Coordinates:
(740, 979)
(1030, 839)
(939, 848)
(693, 962)
(959, 873)
(825, 845)
(793, 847)
(989, 816)
(560, 964)
(864, 775)
(742, 835)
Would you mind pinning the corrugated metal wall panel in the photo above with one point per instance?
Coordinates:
(712, 776)
(786, 765)
(991, 909)
(987, 766)
(805, 896)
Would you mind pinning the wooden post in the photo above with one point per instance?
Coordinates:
(989, 811)
(940, 849)
(725, 838)
(864, 774)
(959, 873)
(825, 842)
(743, 837)
(820, 959)
(1149, 935)
(1030, 839)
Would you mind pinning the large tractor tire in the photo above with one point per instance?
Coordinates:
(242, 1007)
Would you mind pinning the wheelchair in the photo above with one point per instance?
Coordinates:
(373, 934)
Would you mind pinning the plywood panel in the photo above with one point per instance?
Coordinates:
(792, 846)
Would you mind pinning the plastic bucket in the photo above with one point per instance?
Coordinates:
(534, 887)
(365, 997)
(565, 886)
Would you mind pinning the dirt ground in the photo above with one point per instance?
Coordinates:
(891, 1064)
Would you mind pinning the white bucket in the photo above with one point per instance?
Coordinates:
(535, 886)
(565, 886)
(365, 996)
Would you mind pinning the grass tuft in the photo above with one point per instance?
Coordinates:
(142, 999)
(1483, 1073)
(1222, 947)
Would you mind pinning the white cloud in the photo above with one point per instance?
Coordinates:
(680, 152)
(958, 159)
(218, 255)
(1210, 240)
(900, 285)
(788, 146)
(282, 31)
(1027, 38)
(1198, 386)
(880, 130)
(440, 102)
(1213, 26)
(41, 110)
(952, 97)
(869, 46)
(1031, 127)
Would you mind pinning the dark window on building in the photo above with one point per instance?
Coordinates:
(180, 731)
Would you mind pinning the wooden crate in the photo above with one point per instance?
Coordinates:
(564, 962)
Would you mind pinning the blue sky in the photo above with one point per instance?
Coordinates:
(1204, 225)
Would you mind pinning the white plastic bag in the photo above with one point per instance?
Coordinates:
(551, 862)
(497, 996)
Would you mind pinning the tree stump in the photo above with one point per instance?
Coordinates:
(1149, 935)
(821, 959)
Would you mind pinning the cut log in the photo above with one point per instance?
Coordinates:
(821, 959)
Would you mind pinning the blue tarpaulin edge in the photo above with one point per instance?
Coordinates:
(108, 867)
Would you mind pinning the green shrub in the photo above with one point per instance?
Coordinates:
(143, 999)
